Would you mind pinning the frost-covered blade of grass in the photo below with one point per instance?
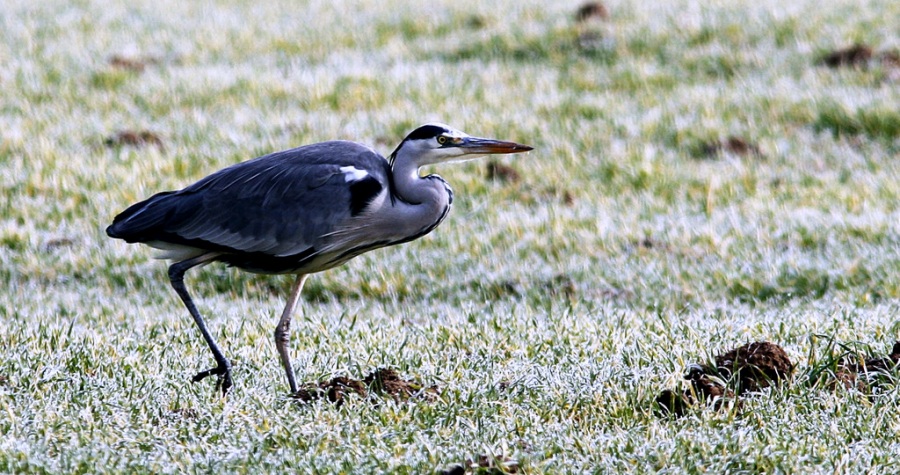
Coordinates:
(699, 181)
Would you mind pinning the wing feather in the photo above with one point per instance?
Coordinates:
(280, 204)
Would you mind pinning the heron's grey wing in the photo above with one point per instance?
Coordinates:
(281, 204)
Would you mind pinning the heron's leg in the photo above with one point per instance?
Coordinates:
(283, 330)
(223, 366)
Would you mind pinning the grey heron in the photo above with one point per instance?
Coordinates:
(300, 211)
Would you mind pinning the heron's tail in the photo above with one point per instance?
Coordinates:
(139, 222)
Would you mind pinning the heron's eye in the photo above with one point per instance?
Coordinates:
(441, 139)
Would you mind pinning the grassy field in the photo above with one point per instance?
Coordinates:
(549, 310)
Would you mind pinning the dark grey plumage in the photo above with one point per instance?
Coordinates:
(266, 236)
(300, 211)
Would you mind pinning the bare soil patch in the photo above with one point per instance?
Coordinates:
(591, 11)
(56, 243)
(733, 145)
(496, 171)
(748, 368)
(484, 464)
(382, 381)
(866, 373)
(134, 138)
(856, 56)
(754, 366)
(137, 64)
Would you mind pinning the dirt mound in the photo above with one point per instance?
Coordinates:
(890, 59)
(703, 389)
(496, 171)
(134, 138)
(381, 381)
(671, 402)
(857, 55)
(336, 390)
(183, 413)
(57, 243)
(132, 64)
(591, 10)
(733, 145)
(862, 373)
(487, 464)
(756, 365)
(387, 381)
(748, 368)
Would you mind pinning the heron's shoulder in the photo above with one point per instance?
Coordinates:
(310, 164)
(339, 152)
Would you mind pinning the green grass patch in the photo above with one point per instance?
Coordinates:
(877, 122)
(551, 307)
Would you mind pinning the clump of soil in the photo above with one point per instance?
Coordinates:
(134, 138)
(857, 56)
(497, 171)
(336, 390)
(861, 56)
(749, 368)
(671, 402)
(131, 64)
(646, 243)
(453, 470)
(591, 10)
(849, 379)
(476, 22)
(890, 59)
(58, 243)
(734, 145)
(381, 381)
(387, 381)
(486, 464)
(755, 366)
(858, 372)
(703, 390)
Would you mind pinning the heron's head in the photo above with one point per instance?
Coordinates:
(440, 143)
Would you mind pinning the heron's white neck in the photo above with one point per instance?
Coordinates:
(415, 189)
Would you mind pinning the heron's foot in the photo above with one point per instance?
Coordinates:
(223, 376)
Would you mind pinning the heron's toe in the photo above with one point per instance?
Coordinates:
(223, 376)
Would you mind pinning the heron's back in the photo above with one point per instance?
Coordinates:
(269, 210)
